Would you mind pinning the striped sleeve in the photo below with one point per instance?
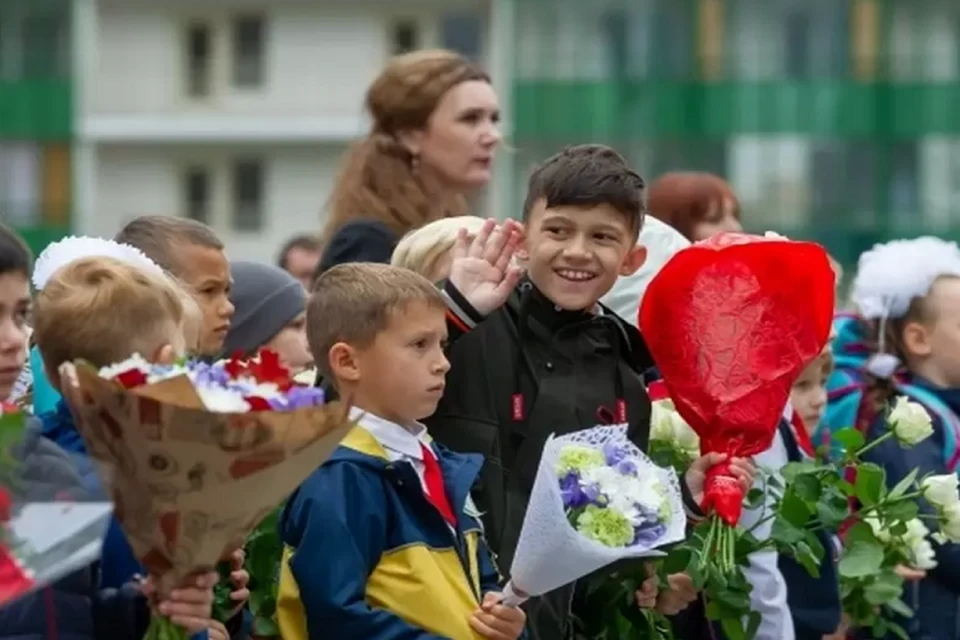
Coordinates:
(461, 316)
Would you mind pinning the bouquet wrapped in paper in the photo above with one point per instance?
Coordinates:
(49, 525)
(734, 321)
(199, 453)
(596, 499)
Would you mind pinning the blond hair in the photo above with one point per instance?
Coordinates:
(102, 310)
(353, 303)
(422, 250)
(378, 177)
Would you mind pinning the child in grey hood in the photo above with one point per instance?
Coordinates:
(270, 313)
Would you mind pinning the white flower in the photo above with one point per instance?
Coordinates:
(220, 400)
(626, 493)
(306, 377)
(134, 362)
(882, 534)
(919, 547)
(911, 422)
(666, 425)
(941, 491)
(950, 525)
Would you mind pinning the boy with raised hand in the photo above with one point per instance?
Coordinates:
(383, 540)
(549, 358)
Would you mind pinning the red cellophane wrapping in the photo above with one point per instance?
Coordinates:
(731, 322)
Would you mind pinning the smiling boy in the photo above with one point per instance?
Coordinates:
(551, 359)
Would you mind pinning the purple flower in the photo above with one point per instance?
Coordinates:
(576, 495)
(627, 467)
(613, 453)
(647, 535)
(298, 398)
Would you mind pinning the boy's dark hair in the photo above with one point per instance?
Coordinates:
(587, 175)
(354, 302)
(157, 237)
(15, 256)
(301, 241)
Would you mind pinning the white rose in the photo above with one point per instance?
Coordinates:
(910, 421)
(950, 527)
(923, 556)
(919, 548)
(661, 421)
(941, 491)
(666, 425)
(882, 534)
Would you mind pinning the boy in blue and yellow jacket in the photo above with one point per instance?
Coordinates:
(383, 540)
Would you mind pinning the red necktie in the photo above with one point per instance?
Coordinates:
(436, 493)
(803, 438)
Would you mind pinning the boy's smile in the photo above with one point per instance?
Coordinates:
(575, 254)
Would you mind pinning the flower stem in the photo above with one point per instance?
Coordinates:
(162, 629)
(878, 441)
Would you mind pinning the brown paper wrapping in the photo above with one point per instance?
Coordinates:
(190, 485)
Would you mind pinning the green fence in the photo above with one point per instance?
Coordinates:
(36, 118)
(835, 120)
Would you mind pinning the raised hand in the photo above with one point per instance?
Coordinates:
(482, 270)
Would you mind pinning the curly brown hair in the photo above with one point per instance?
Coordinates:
(378, 176)
(682, 199)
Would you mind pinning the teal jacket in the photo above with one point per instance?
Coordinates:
(367, 556)
(45, 397)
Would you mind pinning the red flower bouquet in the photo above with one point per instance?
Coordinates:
(731, 322)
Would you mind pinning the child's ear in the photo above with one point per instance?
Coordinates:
(916, 340)
(165, 355)
(344, 363)
(633, 260)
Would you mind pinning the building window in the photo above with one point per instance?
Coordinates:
(199, 59)
(463, 33)
(44, 34)
(20, 183)
(196, 194)
(56, 185)
(249, 45)
(404, 36)
(248, 196)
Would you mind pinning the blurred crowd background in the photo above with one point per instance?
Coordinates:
(834, 120)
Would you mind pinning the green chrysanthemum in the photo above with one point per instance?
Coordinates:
(579, 459)
(608, 527)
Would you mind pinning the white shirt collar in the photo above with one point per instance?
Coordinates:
(392, 436)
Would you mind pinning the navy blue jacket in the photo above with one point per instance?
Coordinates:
(364, 240)
(72, 608)
(934, 599)
(814, 602)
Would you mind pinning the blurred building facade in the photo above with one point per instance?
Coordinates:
(36, 123)
(231, 112)
(835, 120)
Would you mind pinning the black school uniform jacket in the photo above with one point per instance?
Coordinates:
(527, 371)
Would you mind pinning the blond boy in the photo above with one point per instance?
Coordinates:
(103, 310)
(391, 508)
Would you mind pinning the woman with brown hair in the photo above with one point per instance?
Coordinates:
(435, 130)
(698, 205)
